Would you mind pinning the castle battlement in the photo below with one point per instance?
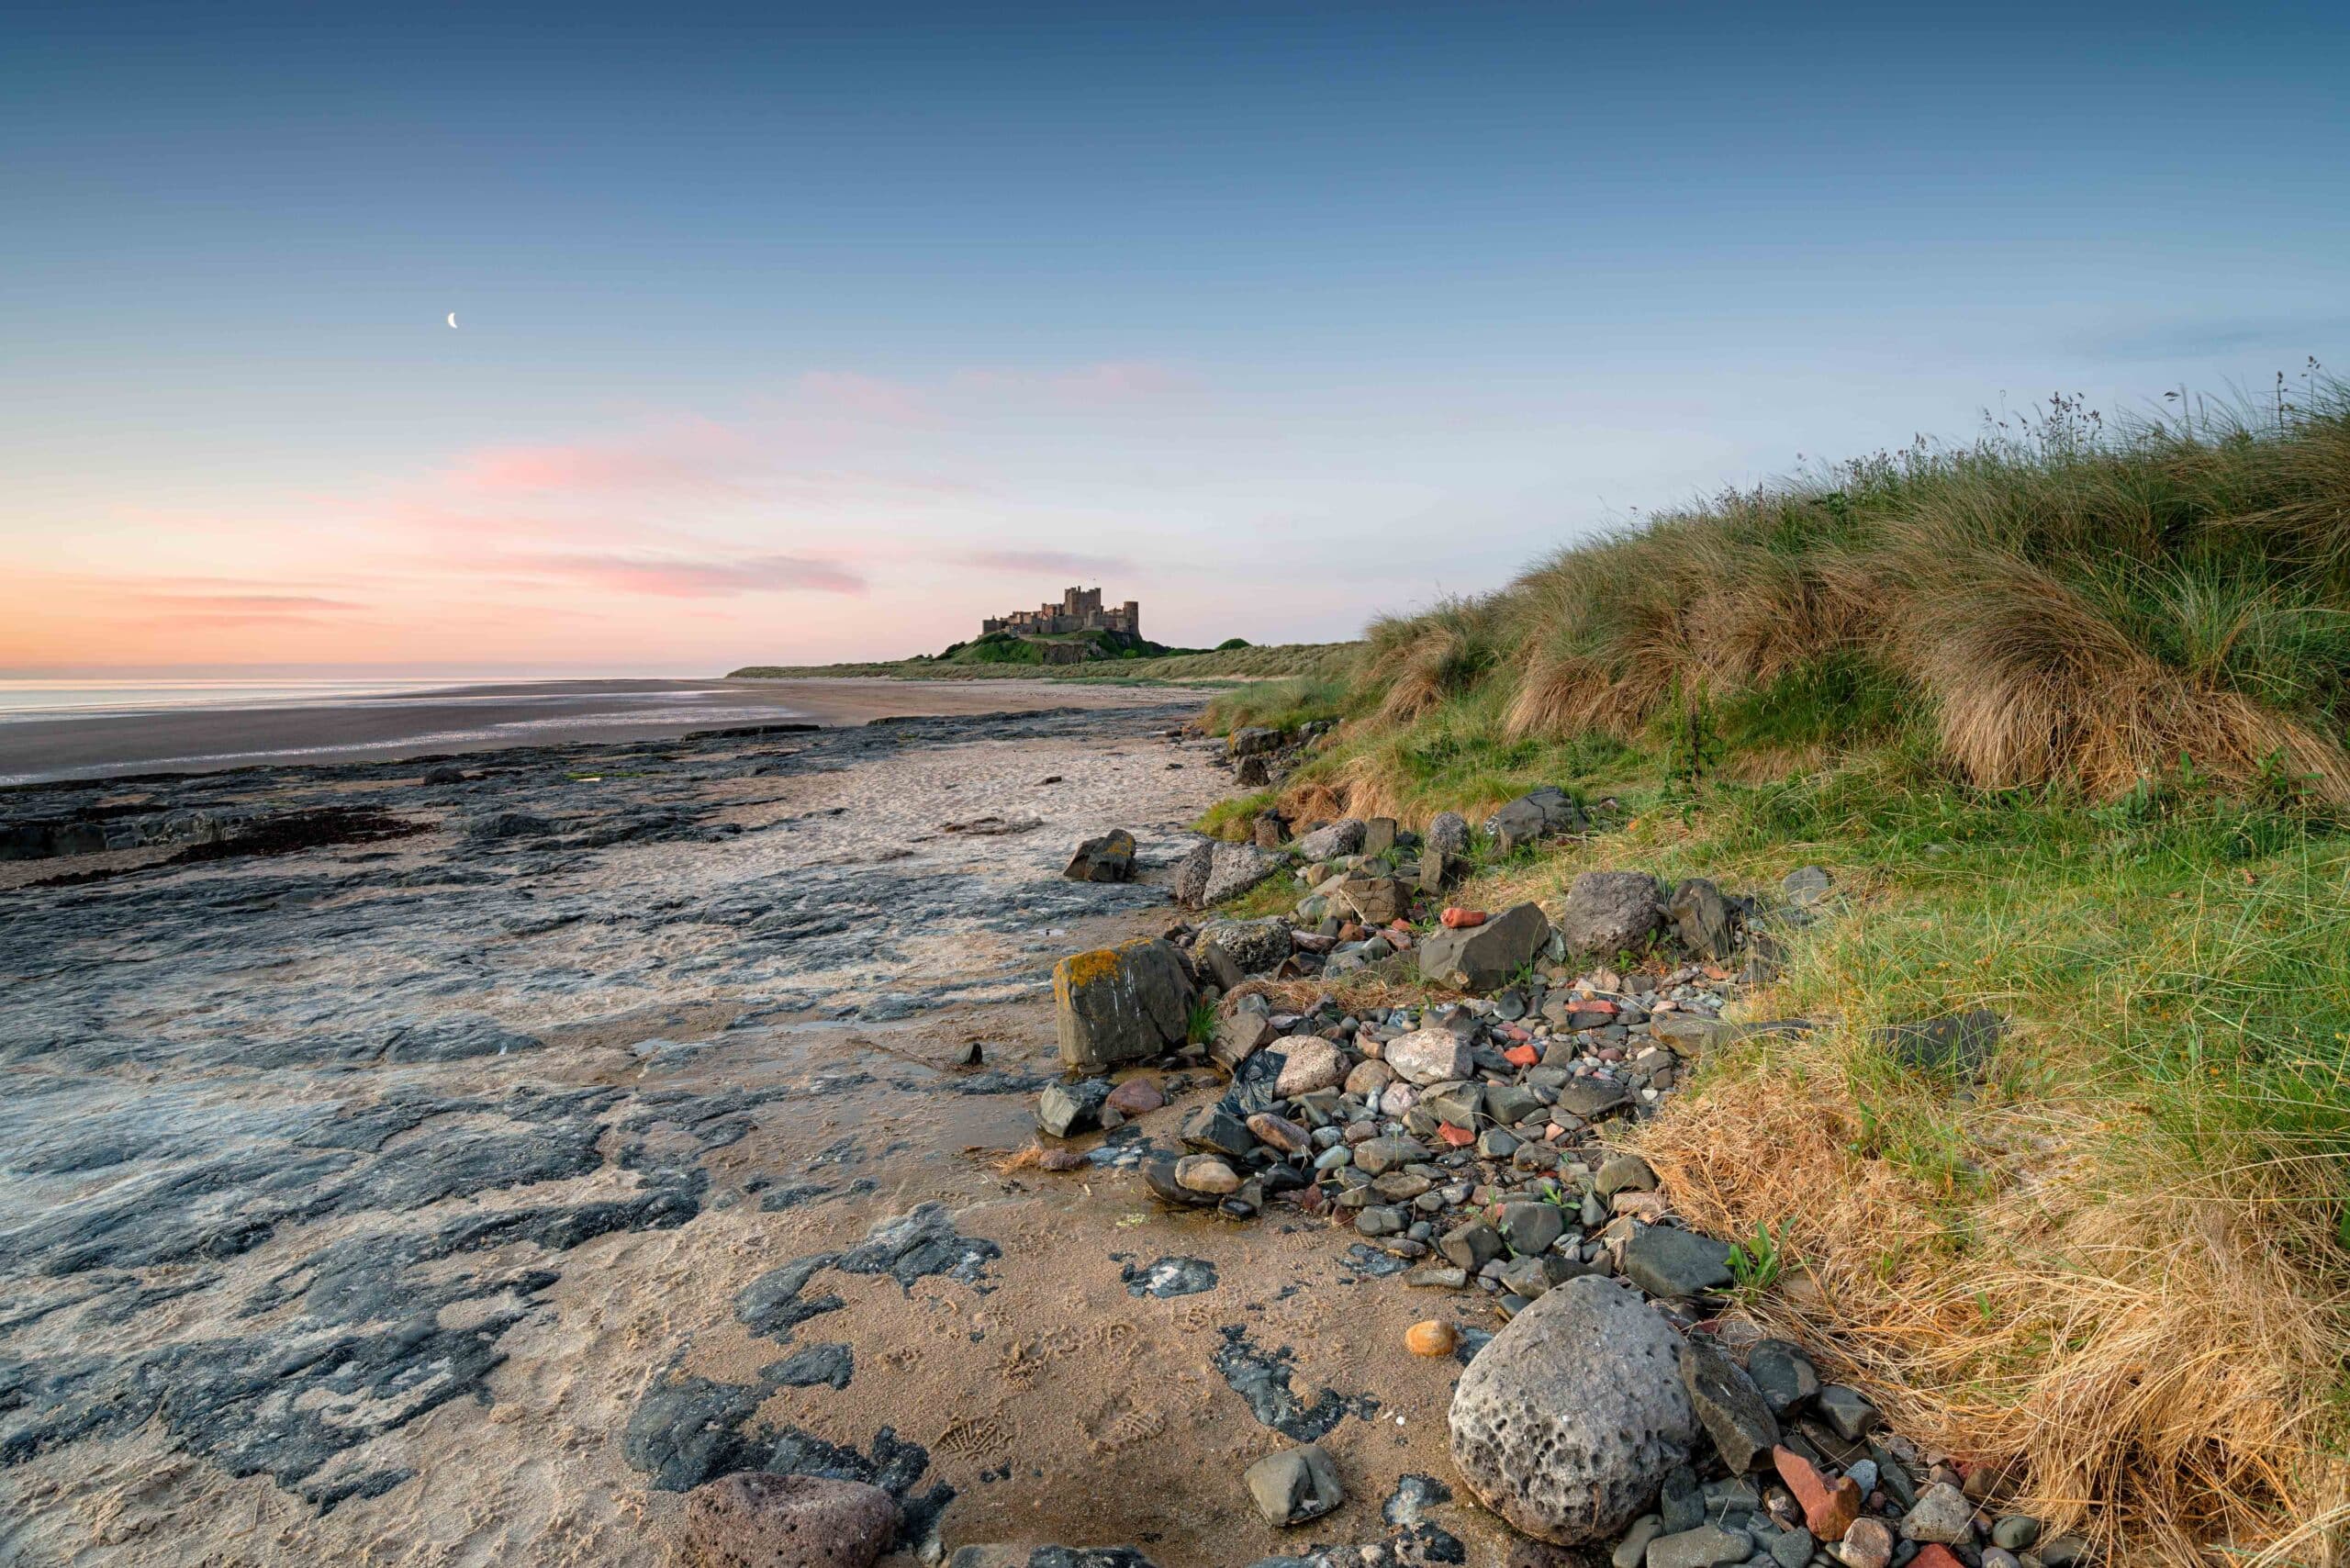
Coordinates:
(1079, 610)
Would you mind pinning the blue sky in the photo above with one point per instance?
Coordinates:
(801, 333)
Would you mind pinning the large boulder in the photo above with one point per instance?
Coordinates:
(1253, 741)
(752, 1519)
(1534, 815)
(1253, 945)
(1485, 957)
(1123, 1004)
(1342, 838)
(1566, 1423)
(1108, 858)
(1607, 911)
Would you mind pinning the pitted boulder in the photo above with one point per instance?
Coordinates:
(1608, 912)
(1449, 833)
(1123, 1004)
(756, 1520)
(1253, 945)
(1566, 1424)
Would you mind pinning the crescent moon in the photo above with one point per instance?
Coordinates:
(452, 320)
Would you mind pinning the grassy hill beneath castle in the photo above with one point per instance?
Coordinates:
(1004, 656)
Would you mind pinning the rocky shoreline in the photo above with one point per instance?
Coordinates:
(1465, 1143)
(623, 1153)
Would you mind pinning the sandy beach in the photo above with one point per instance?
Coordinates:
(466, 719)
(461, 1191)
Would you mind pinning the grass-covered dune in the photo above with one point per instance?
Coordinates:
(2063, 710)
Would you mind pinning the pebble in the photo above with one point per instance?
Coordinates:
(1206, 1174)
(1433, 1336)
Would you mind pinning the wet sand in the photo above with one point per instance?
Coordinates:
(461, 1197)
(471, 718)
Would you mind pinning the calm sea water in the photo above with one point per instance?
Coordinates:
(79, 699)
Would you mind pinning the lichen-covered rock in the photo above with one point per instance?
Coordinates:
(1232, 870)
(1108, 858)
(1123, 1004)
(1253, 945)
(1607, 911)
(1487, 957)
(1566, 1423)
(752, 1519)
(1449, 833)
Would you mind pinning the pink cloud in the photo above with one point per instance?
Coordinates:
(683, 578)
(245, 603)
(1046, 561)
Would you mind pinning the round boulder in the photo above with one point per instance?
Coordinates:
(1566, 1423)
(752, 1519)
(1607, 911)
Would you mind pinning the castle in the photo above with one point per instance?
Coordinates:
(1079, 610)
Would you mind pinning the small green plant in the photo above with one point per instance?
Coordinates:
(1756, 1263)
(1202, 1027)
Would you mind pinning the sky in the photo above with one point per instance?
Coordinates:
(792, 334)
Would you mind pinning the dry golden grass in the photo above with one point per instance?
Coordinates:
(2136, 1347)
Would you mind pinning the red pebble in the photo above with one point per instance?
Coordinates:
(1521, 1055)
(1829, 1510)
(1458, 919)
(1936, 1555)
(1459, 1137)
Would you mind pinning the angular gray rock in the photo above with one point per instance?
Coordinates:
(1238, 1035)
(1295, 1486)
(1666, 1261)
(1471, 1245)
(1120, 1004)
(1960, 1043)
(1065, 1110)
(1253, 741)
(1108, 858)
(1847, 1410)
(1623, 1173)
(1784, 1373)
(1485, 957)
(1567, 1422)
(1703, 919)
(1729, 1406)
(1531, 1227)
(1607, 911)
(1342, 838)
(1535, 815)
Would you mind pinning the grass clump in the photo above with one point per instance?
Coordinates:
(2060, 601)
